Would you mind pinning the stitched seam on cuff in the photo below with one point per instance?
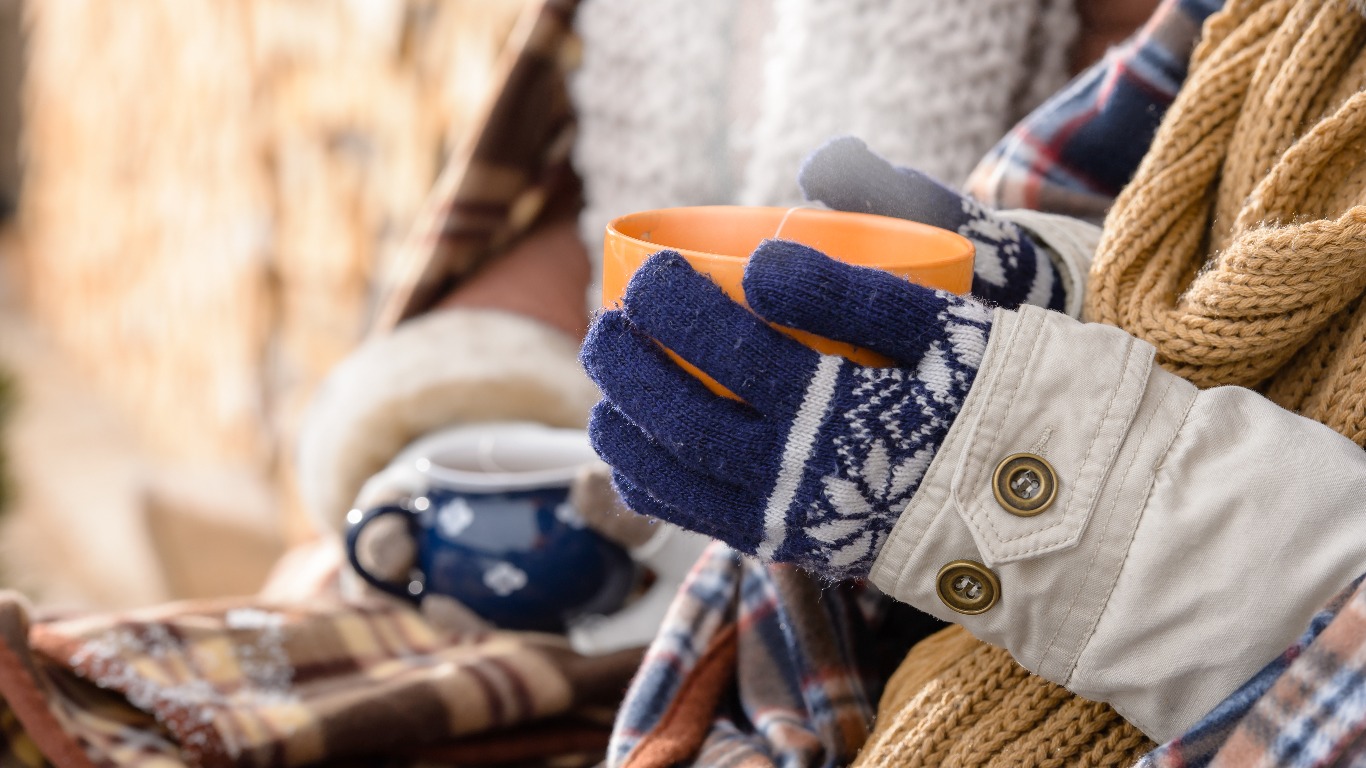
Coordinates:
(1098, 545)
(979, 510)
(1011, 397)
(1133, 524)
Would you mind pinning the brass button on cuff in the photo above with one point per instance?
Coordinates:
(968, 587)
(1024, 484)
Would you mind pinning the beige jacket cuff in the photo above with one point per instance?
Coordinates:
(1193, 536)
(435, 371)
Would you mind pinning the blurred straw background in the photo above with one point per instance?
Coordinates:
(210, 188)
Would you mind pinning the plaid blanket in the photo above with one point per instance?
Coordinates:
(763, 665)
(699, 699)
(248, 682)
(767, 666)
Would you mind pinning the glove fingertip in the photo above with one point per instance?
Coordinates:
(604, 334)
(610, 432)
(785, 282)
(659, 263)
(666, 284)
(774, 259)
(846, 175)
(639, 501)
(795, 286)
(826, 161)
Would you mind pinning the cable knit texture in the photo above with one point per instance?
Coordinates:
(816, 464)
(671, 111)
(1237, 250)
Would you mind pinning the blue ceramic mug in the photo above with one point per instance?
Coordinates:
(488, 509)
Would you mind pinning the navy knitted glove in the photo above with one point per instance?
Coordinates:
(1010, 269)
(818, 461)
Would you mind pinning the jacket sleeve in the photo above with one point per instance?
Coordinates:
(434, 371)
(1192, 535)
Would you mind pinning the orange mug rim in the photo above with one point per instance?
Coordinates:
(920, 259)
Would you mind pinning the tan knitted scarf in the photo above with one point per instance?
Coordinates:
(1239, 249)
(956, 701)
(1239, 252)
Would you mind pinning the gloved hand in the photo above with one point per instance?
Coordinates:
(817, 462)
(1010, 268)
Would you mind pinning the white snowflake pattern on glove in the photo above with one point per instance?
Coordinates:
(820, 458)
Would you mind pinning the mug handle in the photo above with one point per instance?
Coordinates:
(353, 536)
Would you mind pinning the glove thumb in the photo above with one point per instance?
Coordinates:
(846, 175)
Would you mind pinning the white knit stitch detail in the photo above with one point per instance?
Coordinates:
(969, 311)
(877, 462)
(1041, 292)
(855, 551)
(934, 370)
(1069, 242)
(967, 332)
(997, 244)
(930, 85)
(797, 451)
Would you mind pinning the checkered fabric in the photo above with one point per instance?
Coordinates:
(509, 174)
(245, 682)
(1308, 707)
(762, 665)
(1305, 708)
(1052, 161)
(1074, 153)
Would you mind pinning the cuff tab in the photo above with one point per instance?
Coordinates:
(1018, 416)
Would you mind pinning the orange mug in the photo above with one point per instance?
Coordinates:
(717, 240)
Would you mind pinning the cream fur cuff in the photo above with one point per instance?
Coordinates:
(432, 372)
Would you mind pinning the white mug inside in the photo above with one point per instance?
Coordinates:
(500, 456)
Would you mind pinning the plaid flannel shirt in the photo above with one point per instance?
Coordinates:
(1307, 708)
(1074, 153)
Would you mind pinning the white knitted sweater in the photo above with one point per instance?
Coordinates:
(689, 102)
